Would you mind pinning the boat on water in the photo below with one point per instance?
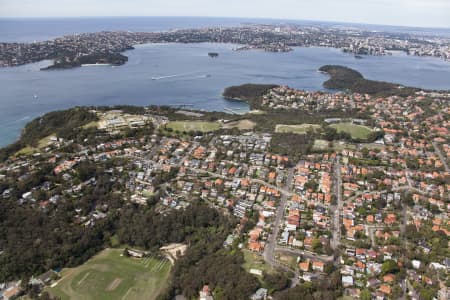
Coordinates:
(213, 54)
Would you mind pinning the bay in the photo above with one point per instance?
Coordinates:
(184, 75)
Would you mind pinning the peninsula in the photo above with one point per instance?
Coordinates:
(345, 78)
(99, 47)
(101, 58)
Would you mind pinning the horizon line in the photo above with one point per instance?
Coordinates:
(222, 17)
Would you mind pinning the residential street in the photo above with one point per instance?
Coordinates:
(269, 250)
(337, 183)
(442, 158)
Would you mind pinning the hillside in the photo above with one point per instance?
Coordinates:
(250, 93)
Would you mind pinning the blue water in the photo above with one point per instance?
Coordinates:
(39, 29)
(186, 76)
(29, 30)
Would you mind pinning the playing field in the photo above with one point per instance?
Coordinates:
(241, 124)
(299, 129)
(355, 130)
(109, 275)
(193, 126)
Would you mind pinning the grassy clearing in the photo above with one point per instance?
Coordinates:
(109, 275)
(355, 130)
(287, 259)
(193, 126)
(255, 261)
(45, 141)
(321, 145)
(147, 194)
(339, 146)
(299, 129)
(241, 124)
(93, 124)
(29, 150)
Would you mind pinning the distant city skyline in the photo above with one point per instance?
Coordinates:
(417, 13)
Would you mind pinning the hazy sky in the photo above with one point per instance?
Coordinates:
(431, 13)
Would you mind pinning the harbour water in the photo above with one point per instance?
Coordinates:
(184, 75)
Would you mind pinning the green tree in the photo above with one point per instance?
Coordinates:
(316, 245)
(276, 282)
(389, 266)
(365, 295)
(427, 293)
(328, 268)
(330, 133)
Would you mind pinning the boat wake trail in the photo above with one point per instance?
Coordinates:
(184, 76)
(167, 76)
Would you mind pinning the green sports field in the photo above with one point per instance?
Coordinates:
(355, 130)
(193, 126)
(299, 129)
(109, 275)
